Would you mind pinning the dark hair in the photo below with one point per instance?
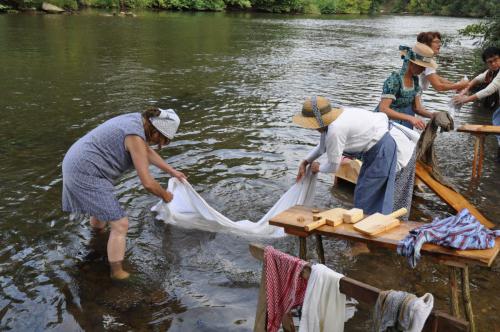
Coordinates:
(151, 112)
(490, 52)
(149, 129)
(427, 37)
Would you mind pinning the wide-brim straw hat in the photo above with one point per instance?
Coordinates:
(422, 55)
(307, 119)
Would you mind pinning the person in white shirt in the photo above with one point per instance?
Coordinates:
(430, 76)
(385, 151)
(491, 56)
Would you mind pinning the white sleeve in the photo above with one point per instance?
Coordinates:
(428, 71)
(318, 150)
(335, 144)
(493, 87)
(481, 77)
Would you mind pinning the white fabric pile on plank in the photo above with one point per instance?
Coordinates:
(188, 209)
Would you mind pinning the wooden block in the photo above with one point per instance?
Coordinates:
(352, 216)
(331, 217)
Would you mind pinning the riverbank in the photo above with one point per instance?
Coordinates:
(467, 8)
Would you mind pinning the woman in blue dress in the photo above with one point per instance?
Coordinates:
(401, 98)
(98, 159)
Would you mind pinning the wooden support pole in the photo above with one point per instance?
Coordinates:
(302, 248)
(469, 314)
(476, 155)
(454, 308)
(319, 249)
(481, 155)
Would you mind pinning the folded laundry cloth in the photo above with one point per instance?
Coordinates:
(462, 231)
(285, 287)
(324, 306)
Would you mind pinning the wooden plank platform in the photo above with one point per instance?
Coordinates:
(448, 195)
(479, 129)
(390, 239)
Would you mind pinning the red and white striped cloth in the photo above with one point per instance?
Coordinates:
(285, 288)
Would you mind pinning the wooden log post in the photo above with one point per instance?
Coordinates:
(454, 307)
(302, 248)
(469, 314)
(481, 139)
(319, 249)
(476, 155)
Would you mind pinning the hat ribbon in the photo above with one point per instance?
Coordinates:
(316, 112)
(410, 54)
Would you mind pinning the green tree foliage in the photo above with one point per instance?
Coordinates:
(473, 8)
(477, 8)
(485, 34)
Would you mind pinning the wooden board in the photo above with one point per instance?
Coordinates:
(349, 171)
(378, 222)
(376, 227)
(389, 239)
(476, 129)
(451, 197)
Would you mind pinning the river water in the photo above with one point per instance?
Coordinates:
(235, 80)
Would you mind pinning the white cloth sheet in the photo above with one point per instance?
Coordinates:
(324, 307)
(188, 209)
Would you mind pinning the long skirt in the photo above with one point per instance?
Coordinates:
(375, 188)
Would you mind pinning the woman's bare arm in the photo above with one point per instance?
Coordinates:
(139, 152)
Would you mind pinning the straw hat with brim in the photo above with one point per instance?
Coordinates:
(420, 54)
(308, 119)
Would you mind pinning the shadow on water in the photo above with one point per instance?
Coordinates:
(235, 80)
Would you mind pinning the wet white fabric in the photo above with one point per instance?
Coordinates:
(188, 209)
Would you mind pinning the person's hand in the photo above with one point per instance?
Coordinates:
(459, 99)
(302, 170)
(168, 197)
(417, 123)
(179, 175)
(464, 91)
(315, 167)
(462, 85)
(345, 161)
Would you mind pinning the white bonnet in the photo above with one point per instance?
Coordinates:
(166, 123)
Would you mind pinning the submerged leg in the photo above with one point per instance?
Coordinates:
(96, 224)
(116, 248)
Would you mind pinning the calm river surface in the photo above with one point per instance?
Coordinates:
(235, 80)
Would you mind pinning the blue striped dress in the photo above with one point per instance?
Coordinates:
(94, 163)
